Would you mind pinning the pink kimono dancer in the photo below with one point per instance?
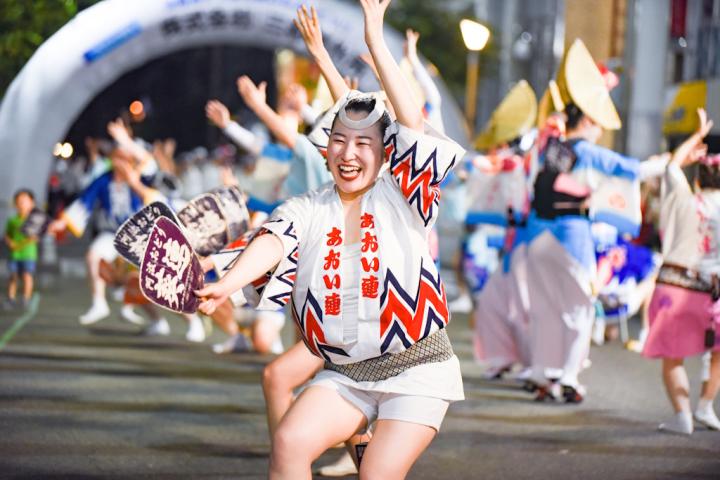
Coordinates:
(502, 329)
(679, 318)
(561, 311)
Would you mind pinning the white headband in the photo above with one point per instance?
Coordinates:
(366, 122)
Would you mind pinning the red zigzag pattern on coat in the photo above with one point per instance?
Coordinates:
(411, 318)
(309, 319)
(420, 185)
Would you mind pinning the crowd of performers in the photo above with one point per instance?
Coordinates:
(346, 243)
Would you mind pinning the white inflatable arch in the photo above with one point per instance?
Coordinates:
(115, 36)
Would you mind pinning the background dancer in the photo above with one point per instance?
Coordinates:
(684, 313)
(499, 196)
(561, 255)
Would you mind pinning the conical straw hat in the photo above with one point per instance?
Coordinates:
(512, 118)
(580, 82)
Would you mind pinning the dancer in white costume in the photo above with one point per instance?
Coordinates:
(561, 259)
(500, 197)
(376, 228)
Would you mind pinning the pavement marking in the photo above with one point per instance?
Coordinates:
(20, 322)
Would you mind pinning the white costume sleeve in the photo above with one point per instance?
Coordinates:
(419, 162)
(430, 90)
(654, 166)
(243, 137)
(272, 291)
(675, 182)
(309, 114)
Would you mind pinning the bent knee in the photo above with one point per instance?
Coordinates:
(273, 378)
(291, 443)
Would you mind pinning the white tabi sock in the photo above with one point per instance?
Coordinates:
(705, 414)
(681, 423)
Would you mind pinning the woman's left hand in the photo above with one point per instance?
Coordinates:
(374, 12)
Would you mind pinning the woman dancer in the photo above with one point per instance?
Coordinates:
(684, 310)
(366, 294)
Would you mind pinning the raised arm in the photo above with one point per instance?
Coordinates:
(408, 112)
(430, 90)
(131, 175)
(255, 97)
(692, 149)
(219, 115)
(309, 26)
(261, 256)
(119, 132)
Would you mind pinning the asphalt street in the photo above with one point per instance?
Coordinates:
(105, 402)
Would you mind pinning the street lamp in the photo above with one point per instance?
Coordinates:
(475, 35)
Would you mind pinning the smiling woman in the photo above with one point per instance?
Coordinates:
(353, 258)
(355, 151)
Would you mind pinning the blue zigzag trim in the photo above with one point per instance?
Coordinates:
(395, 331)
(327, 348)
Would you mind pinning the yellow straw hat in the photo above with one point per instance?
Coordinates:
(580, 82)
(512, 118)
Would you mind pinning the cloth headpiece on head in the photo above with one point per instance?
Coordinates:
(320, 134)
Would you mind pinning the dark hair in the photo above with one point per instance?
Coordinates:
(708, 176)
(23, 191)
(574, 115)
(367, 105)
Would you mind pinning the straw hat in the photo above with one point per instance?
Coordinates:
(512, 118)
(580, 82)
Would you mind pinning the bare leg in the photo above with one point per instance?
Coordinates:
(223, 318)
(283, 375)
(97, 284)
(265, 331)
(12, 286)
(27, 285)
(319, 419)
(677, 384)
(394, 448)
(713, 383)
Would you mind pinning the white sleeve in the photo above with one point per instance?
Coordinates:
(654, 166)
(243, 137)
(309, 114)
(430, 90)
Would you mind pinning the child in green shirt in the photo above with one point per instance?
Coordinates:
(23, 250)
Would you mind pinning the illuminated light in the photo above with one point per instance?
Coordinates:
(137, 108)
(57, 149)
(475, 35)
(66, 150)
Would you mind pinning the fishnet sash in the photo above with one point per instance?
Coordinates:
(431, 349)
(686, 278)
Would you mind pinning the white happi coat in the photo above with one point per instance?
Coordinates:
(401, 298)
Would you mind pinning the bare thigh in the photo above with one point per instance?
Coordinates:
(394, 448)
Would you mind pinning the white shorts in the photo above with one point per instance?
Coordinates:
(418, 409)
(104, 247)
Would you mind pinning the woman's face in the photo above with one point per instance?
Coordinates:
(354, 156)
